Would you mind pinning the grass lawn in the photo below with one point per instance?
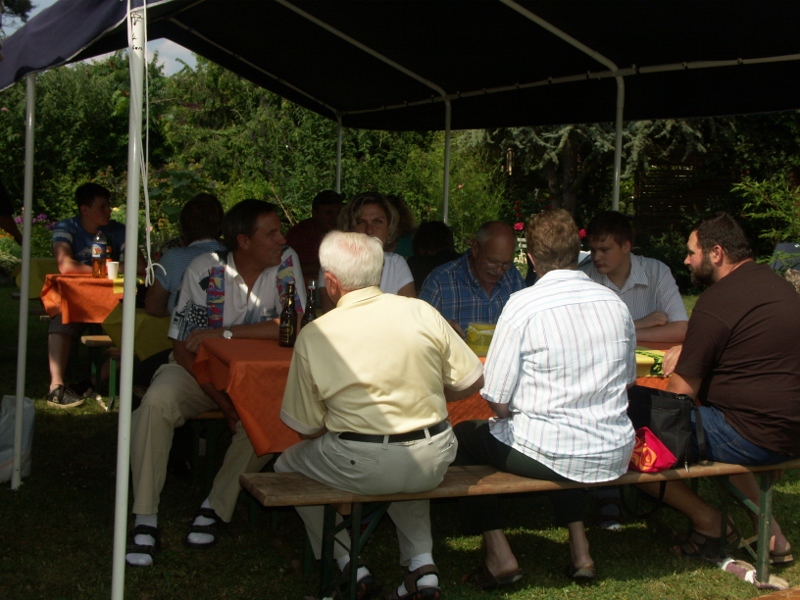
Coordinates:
(56, 531)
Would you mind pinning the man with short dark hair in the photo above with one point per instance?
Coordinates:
(72, 249)
(475, 287)
(742, 360)
(372, 407)
(225, 294)
(305, 237)
(645, 285)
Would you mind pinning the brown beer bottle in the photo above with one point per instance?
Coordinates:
(311, 309)
(288, 330)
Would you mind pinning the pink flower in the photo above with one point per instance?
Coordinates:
(519, 226)
(582, 233)
(4, 109)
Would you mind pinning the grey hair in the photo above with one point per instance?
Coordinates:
(355, 259)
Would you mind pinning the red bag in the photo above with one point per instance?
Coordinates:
(649, 454)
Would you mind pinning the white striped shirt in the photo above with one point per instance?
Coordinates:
(562, 356)
(650, 287)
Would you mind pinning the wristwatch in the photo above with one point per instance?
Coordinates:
(227, 334)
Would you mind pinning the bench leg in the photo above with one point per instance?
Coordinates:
(357, 542)
(767, 480)
(112, 383)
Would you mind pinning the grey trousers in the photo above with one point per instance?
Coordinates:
(173, 397)
(369, 468)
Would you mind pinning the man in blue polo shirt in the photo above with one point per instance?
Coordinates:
(72, 248)
(475, 287)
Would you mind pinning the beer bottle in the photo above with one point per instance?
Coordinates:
(99, 254)
(288, 330)
(311, 309)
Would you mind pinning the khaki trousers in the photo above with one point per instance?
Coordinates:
(369, 468)
(173, 397)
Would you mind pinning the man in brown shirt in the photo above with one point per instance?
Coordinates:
(742, 361)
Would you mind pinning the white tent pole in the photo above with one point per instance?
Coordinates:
(137, 64)
(618, 142)
(22, 338)
(339, 154)
(446, 184)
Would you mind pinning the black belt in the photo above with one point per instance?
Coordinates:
(411, 436)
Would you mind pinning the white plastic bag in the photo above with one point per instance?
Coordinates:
(7, 412)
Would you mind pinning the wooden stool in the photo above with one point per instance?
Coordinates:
(104, 341)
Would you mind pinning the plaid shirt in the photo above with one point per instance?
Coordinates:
(456, 293)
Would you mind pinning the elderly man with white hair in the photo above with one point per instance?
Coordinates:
(367, 389)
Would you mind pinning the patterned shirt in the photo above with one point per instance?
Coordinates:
(72, 232)
(174, 263)
(650, 287)
(562, 356)
(455, 292)
(214, 295)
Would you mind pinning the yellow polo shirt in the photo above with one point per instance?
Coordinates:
(377, 364)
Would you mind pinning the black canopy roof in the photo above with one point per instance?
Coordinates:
(388, 64)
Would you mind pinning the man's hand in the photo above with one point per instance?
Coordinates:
(458, 329)
(198, 335)
(670, 360)
(654, 319)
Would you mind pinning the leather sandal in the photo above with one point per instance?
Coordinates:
(211, 529)
(134, 548)
(366, 587)
(426, 592)
(583, 574)
(706, 547)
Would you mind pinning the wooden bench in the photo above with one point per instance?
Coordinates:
(294, 489)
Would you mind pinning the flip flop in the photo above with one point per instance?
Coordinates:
(484, 579)
(582, 574)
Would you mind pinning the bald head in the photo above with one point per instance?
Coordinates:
(493, 250)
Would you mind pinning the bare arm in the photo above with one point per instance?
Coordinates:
(673, 332)
(268, 330)
(408, 290)
(684, 385)
(156, 299)
(670, 360)
(452, 395)
(62, 252)
(185, 358)
(501, 410)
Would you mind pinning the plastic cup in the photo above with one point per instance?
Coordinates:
(113, 269)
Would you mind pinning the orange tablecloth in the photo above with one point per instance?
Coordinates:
(253, 373)
(80, 298)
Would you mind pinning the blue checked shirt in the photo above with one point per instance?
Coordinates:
(454, 291)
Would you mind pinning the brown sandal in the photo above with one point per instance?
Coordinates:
(426, 592)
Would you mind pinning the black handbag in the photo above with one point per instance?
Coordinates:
(668, 415)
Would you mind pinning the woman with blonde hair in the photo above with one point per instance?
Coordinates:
(373, 214)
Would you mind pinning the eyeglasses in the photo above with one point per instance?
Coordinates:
(494, 265)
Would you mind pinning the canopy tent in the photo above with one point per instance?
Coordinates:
(390, 64)
(429, 64)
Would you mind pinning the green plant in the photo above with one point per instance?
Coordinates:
(775, 202)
